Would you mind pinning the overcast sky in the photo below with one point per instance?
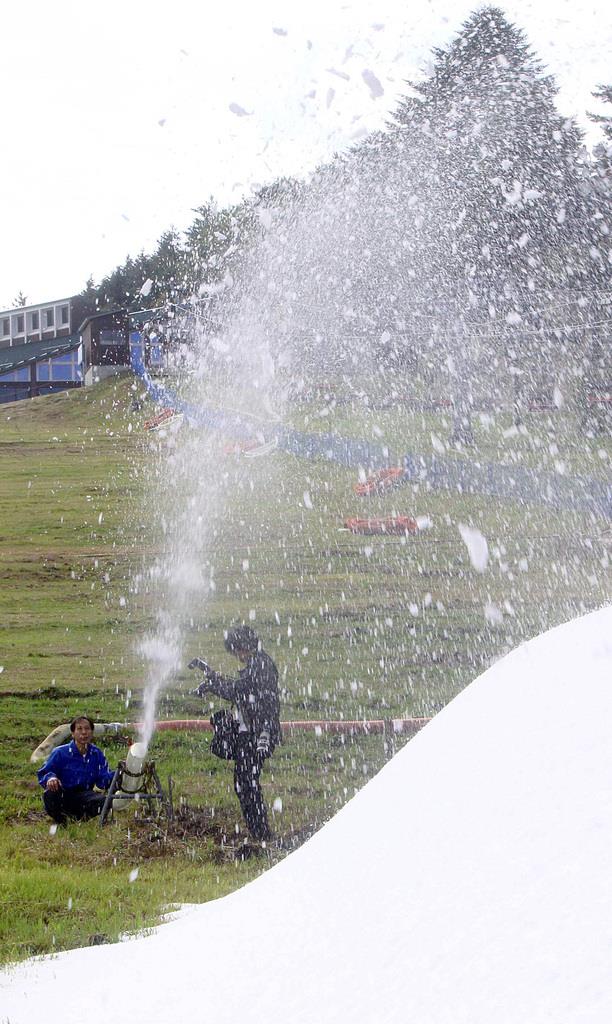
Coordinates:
(119, 118)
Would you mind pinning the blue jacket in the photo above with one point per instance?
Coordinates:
(73, 769)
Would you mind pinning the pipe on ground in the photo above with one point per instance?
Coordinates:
(387, 726)
(376, 725)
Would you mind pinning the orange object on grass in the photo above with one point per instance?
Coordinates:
(390, 525)
(239, 447)
(162, 417)
(380, 481)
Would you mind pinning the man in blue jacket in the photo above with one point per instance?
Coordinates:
(70, 773)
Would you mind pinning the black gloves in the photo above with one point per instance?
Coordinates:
(200, 665)
(206, 669)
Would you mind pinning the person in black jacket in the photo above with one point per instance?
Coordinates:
(254, 729)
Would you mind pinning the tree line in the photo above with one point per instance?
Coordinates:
(469, 237)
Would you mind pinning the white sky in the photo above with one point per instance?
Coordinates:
(116, 116)
(468, 882)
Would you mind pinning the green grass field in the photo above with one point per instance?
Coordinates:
(360, 627)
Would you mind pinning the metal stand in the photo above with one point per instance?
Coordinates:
(149, 790)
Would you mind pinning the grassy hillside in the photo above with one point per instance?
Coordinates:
(360, 628)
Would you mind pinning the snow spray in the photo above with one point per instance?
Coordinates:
(194, 485)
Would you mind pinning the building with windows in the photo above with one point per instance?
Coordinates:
(105, 340)
(40, 349)
(109, 340)
(48, 320)
(57, 345)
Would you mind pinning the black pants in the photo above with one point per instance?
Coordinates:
(77, 802)
(247, 769)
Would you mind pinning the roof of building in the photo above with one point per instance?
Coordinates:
(142, 316)
(119, 313)
(15, 356)
(37, 305)
(137, 317)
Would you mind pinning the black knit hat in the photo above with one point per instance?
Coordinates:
(241, 638)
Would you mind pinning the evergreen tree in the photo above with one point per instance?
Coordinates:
(465, 240)
(442, 245)
(598, 349)
(168, 270)
(603, 151)
(86, 303)
(499, 218)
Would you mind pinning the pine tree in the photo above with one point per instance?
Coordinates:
(598, 349)
(603, 151)
(502, 224)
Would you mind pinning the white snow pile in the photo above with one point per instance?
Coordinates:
(468, 883)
